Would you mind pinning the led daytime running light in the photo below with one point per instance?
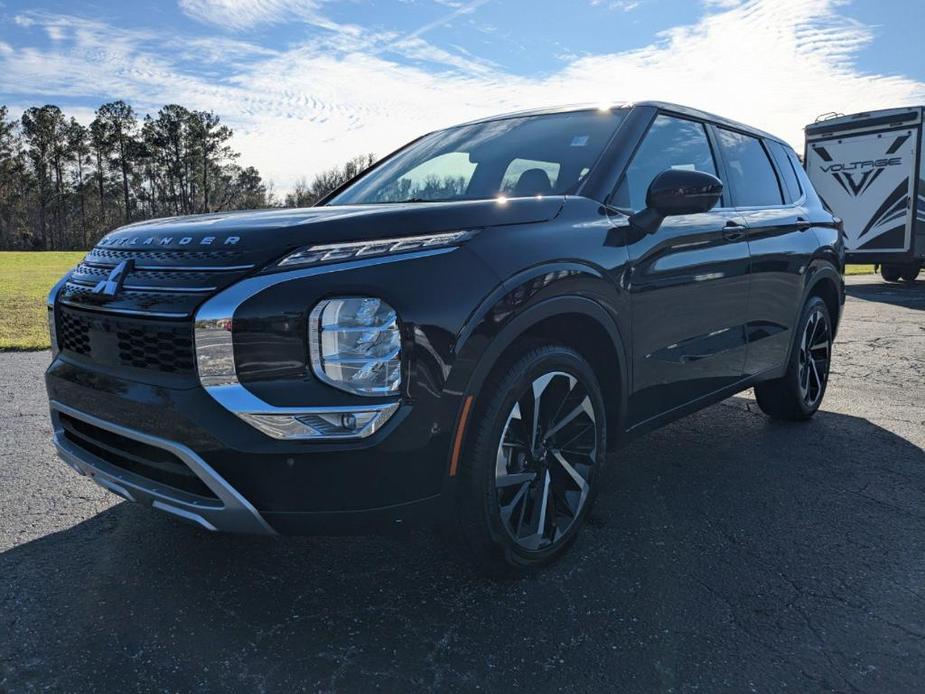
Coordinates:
(336, 252)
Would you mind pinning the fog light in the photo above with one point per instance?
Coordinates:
(320, 424)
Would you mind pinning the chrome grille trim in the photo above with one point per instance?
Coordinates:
(150, 288)
(160, 255)
(122, 311)
(160, 285)
(174, 268)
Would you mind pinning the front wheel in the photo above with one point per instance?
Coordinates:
(910, 274)
(798, 394)
(528, 479)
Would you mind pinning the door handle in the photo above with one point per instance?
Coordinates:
(733, 231)
(803, 224)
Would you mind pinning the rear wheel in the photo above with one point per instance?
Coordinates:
(890, 273)
(798, 394)
(910, 274)
(528, 479)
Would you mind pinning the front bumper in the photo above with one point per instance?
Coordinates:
(395, 478)
(229, 512)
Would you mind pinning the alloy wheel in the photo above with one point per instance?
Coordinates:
(545, 458)
(815, 352)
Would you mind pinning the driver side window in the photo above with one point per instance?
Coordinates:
(671, 143)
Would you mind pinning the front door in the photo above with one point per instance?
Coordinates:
(688, 282)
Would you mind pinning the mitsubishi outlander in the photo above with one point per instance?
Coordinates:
(461, 336)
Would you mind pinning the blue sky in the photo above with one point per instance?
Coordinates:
(308, 83)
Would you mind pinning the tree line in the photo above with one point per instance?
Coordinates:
(63, 185)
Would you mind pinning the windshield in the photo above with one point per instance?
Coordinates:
(513, 157)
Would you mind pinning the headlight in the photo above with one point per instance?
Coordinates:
(338, 252)
(355, 345)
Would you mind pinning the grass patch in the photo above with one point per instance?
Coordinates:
(25, 279)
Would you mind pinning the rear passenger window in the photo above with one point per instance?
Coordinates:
(792, 191)
(752, 178)
(671, 143)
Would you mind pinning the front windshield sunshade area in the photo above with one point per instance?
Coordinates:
(512, 157)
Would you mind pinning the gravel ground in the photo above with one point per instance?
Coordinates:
(727, 553)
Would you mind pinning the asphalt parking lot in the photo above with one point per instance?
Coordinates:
(727, 553)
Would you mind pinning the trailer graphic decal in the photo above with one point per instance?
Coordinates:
(866, 179)
(892, 209)
(855, 188)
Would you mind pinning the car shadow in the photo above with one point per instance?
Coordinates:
(728, 552)
(907, 294)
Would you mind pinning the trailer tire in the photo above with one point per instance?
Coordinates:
(890, 273)
(910, 274)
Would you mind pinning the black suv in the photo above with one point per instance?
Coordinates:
(457, 336)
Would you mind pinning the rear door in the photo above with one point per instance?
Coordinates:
(688, 281)
(868, 181)
(767, 194)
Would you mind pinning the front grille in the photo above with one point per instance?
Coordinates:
(169, 305)
(160, 283)
(150, 278)
(73, 333)
(150, 462)
(147, 322)
(149, 256)
(114, 341)
(164, 348)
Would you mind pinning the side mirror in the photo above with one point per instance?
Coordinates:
(674, 192)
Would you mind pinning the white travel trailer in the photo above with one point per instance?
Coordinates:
(868, 169)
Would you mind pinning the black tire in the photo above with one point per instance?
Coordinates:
(799, 393)
(910, 274)
(890, 273)
(495, 470)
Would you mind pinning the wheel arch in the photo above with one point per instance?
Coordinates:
(828, 284)
(574, 321)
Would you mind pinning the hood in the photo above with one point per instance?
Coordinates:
(262, 235)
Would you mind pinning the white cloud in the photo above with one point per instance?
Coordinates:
(775, 64)
(622, 5)
(247, 14)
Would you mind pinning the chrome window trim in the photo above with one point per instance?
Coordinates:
(211, 345)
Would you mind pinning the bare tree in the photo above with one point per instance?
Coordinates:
(307, 194)
(121, 124)
(64, 184)
(78, 142)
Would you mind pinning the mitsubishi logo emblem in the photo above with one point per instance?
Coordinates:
(112, 284)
